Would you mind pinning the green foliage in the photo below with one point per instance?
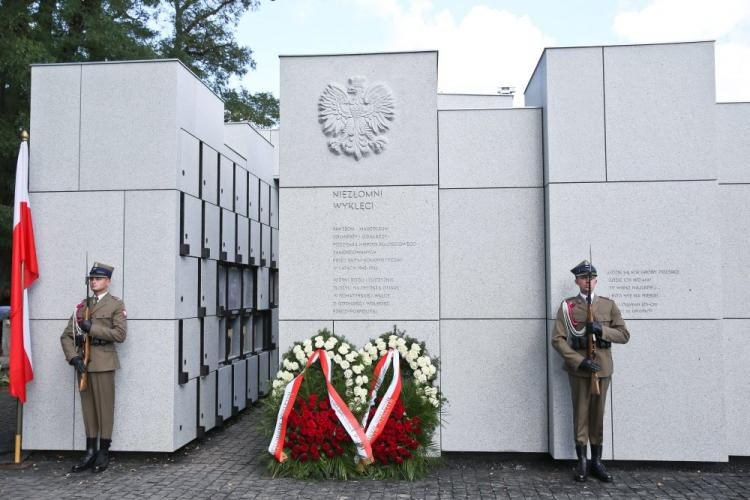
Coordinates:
(6, 231)
(261, 108)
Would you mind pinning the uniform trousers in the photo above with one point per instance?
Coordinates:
(98, 404)
(588, 409)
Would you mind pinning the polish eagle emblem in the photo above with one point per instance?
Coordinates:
(355, 118)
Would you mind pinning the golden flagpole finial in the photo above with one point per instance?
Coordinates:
(24, 135)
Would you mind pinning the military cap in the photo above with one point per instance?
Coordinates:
(100, 270)
(583, 269)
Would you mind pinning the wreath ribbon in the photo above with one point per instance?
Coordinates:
(379, 419)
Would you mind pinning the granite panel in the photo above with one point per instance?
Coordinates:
(207, 401)
(647, 390)
(252, 378)
(185, 427)
(382, 238)
(275, 326)
(221, 284)
(265, 245)
(253, 197)
(234, 336)
(199, 110)
(234, 288)
(273, 363)
(259, 328)
(248, 289)
(211, 230)
(247, 324)
(473, 101)
(188, 168)
(249, 143)
(152, 344)
(491, 148)
(55, 294)
(255, 245)
(264, 373)
(186, 286)
(53, 391)
(297, 331)
(273, 137)
(190, 361)
(208, 286)
(54, 131)
(659, 277)
(239, 396)
(226, 183)
(733, 141)
(224, 346)
(211, 341)
(224, 392)
(150, 255)
(503, 244)
(192, 222)
(209, 174)
(275, 248)
(128, 128)
(735, 248)
(261, 292)
(274, 207)
(361, 332)
(228, 228)
(411, 79)
(240, 190)
(243, 240)
(661, 108)
(512, 411)
(264, 194)
(574, 113)
(736, 378)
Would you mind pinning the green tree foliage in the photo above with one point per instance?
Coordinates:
(198, 32)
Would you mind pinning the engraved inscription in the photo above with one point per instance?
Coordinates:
(638, 291)
(356, 118)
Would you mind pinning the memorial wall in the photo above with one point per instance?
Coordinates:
(131, 164)
(458, 219)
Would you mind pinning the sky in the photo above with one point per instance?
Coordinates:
(487, 44)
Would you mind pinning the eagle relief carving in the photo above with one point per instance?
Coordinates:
(355, 118)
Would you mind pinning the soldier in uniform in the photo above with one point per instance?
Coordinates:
(571, 341)
(107, 325)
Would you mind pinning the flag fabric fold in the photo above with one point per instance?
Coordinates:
(24, 271)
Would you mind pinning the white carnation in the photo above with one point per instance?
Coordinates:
(349, 382)
(330, 343)
(344, 364)
(343, 348)
(434, 402)
(358, 369)
(366, 359)
(337, 358)
(392, 341)
(318, 342)
(300, 356)
(308, 350)
(348, 374)
(351, 356)
(416, 348)
(295, 366)
(413, 365)
(402, 350)
(422, 361)
(400, 342)
(358, 380)
(380, 344)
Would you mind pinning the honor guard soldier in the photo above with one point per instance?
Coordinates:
(88, 342)
(585, 328)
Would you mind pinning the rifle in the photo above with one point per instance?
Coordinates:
(590, 333)
(83, 382)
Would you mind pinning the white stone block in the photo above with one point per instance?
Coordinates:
(660, 102)
(274, 207)
(253, 197)
(59, 248)
(55, 132)
(239, 396)
(185, 427)
(733, 141)
(187, 288)
(207, 402)
(361, 332)
(234, 336)
(243, 240)
(251, 144)
(222, 289)
(255, 243)
(128, 128)
(209, 174)
(491, 148)
(506, 358)
(638, 236)
(53, 391)
(247, 323)
(234, 289)
(210, 344)
(188, 168)
(224, 322)
(151, 254)
(264, 374)
(296, 331)
(211, 231)
(265, 245)
(208, 287)
(240, 190)
(735, 249)
(411, 80)
(261, 293)
(275, 248)
(191, 219)
(224, 394)
(265, 203)
(673, 407)
(199, 110)
(228, 228)
(474, 101)
(248, 289)
(190, 356)
(252, 378)
(401, 253)
(226, 183)
(275, 326)
(503, 244)
(737, 385)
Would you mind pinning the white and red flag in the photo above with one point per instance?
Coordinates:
(24, 272)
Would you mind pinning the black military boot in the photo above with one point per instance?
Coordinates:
(88, 459)
(582, 467)
(102, 457)
(597, 467)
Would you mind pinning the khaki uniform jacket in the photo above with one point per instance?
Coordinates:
(108, 322)
(613, 330)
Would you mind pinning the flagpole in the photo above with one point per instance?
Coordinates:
(19, 404)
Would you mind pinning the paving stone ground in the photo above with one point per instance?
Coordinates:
(225, 464)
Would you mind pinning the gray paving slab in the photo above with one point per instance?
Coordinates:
(226, 464)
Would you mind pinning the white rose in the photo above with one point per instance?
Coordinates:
(410, 357)
(380, 344)
(308, 350)
(358, 380)
(295, 366)
(318, 343)
(432, 370)
(357, 369)
(392, 337)
(413, 365)
(300, 356)
(372, 350)
(351, 356)
(422, 361)
(434, 402)
(402, 350)
(343, 348)
(349, 382)
(392, 342)
(369, 346)
(365, 379)
(296, 348)
(400, 342)
(286, 363)
(344, 364)
(330, 343)
(348, 374)
(416, 348)
(366, 359)
(337, 358)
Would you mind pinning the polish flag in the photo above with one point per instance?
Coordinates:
(24, 272)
